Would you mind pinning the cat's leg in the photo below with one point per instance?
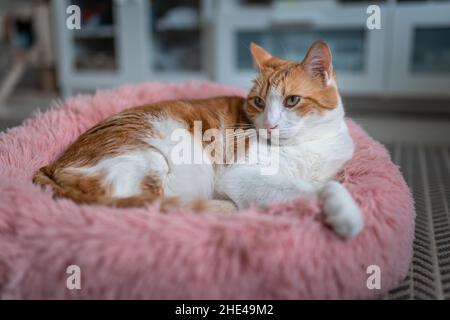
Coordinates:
(340, 209)
(245, 185)
(211, 206)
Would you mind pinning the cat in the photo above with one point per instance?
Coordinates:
(127, 159)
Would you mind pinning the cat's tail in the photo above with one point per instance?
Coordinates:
(85, 191)
(77, 189)
(88, 189)
(43, 177)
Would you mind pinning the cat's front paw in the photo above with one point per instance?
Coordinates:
(341, 211)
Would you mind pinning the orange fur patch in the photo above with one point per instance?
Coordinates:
(126, 131)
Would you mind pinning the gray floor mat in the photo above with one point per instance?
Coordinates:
(426, 170)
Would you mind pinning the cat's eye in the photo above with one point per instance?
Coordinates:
(292, 101)
(258, 102)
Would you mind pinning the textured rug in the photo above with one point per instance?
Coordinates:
(427, 171)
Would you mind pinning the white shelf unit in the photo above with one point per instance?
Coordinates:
(192, 56)
(131, 46)
(421, 50)
(368, 62)
(123, 62)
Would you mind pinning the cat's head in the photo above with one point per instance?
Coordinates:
(293, 96)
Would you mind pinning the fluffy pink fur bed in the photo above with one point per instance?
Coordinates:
(282, 253)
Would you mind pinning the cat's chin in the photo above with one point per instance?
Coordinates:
(288, 137)
(281, 137)
(285, 141)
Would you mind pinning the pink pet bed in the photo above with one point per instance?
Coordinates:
(284, 252)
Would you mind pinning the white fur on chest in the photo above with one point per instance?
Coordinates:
(315, 161)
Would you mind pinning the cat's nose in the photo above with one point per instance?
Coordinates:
(269, 126)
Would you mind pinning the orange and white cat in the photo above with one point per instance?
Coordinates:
(127, 159)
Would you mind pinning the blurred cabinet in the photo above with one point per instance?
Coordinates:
(128, 41)
(96, 55)
(176, 36)
(421, 50)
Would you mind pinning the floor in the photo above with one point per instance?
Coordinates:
(426, 170)
(418, 143)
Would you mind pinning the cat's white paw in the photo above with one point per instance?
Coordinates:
(341, 211)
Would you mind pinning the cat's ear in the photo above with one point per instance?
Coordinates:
(260, 56)
(318, 61)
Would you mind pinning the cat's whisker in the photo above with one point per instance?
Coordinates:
(240, 135)
(243, 134)
(241, 124)
(240, 127)
(238, 130)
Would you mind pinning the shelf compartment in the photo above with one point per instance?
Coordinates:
(95, 55)
(431, 52)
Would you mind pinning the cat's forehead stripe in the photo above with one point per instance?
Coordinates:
(275, 78)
